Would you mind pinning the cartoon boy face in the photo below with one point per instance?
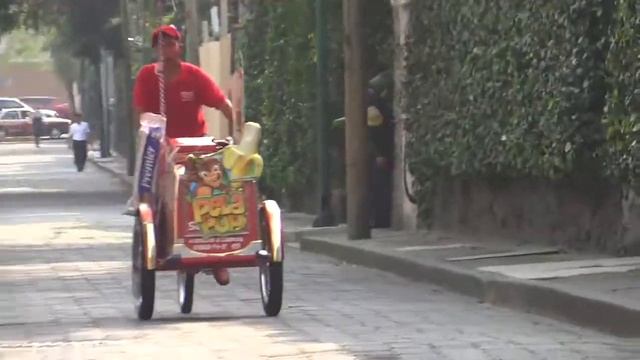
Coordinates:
(212, 174)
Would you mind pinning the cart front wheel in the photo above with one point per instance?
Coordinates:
(271, 280)
(143, 280)
(271, 274)
(185, 291)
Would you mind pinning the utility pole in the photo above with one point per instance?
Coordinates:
(357, 161)
(193, 31)
(105, 128)
(127, 105)
(324, 186)
(224, 17)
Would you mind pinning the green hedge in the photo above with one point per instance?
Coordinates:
(621, 154)
(278, 53)
(516, 88)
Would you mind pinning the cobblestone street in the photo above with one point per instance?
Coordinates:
(65, 293)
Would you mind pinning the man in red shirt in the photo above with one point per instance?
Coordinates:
(187, 89)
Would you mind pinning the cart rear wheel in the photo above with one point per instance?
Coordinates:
(185, 291)
(143, 280)
(271, 275)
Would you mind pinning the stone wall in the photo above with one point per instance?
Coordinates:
(576, 214)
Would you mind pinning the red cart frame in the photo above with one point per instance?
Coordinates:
(203, 215)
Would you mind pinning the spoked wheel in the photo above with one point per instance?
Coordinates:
(271, 275)
(143, 281)
(185, 291)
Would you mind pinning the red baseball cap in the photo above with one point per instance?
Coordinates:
(166, 30)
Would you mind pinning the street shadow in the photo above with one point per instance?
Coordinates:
(36, 255)
(204, 319)
(61, 198)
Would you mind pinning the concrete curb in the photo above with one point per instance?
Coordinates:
(525, 295)
(296, 235)
(124, 178)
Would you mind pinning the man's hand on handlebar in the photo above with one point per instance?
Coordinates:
(224, 142)
(227, 110)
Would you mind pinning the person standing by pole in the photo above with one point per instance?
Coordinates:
(79, 134)
(381, 127)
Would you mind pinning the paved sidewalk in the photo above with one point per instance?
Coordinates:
(115, 165)
(588, 289)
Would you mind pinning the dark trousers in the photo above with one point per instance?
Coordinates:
(36, 135)
(381, 195)
(80, 153)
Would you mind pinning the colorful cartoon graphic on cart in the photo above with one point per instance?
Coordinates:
(212, 179)
(218, 204)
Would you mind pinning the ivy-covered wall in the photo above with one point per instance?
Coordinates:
(502, 93)
(621, 120)
(277, 51)
(279, 71)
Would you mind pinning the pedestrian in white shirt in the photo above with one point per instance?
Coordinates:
(79, 133)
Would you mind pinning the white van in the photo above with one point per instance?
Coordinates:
(7, 103)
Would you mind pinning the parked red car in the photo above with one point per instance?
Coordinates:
(64, 110)
(17, 122)
(49, 102)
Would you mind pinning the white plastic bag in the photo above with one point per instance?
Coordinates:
(149, 142)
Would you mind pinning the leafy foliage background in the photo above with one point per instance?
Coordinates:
(278, 52)
(513, 88)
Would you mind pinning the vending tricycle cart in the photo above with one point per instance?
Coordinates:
(203, 212)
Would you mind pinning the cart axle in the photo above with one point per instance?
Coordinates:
(177, 262)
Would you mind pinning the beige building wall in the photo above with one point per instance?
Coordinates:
(22, 79)
(215, 60)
